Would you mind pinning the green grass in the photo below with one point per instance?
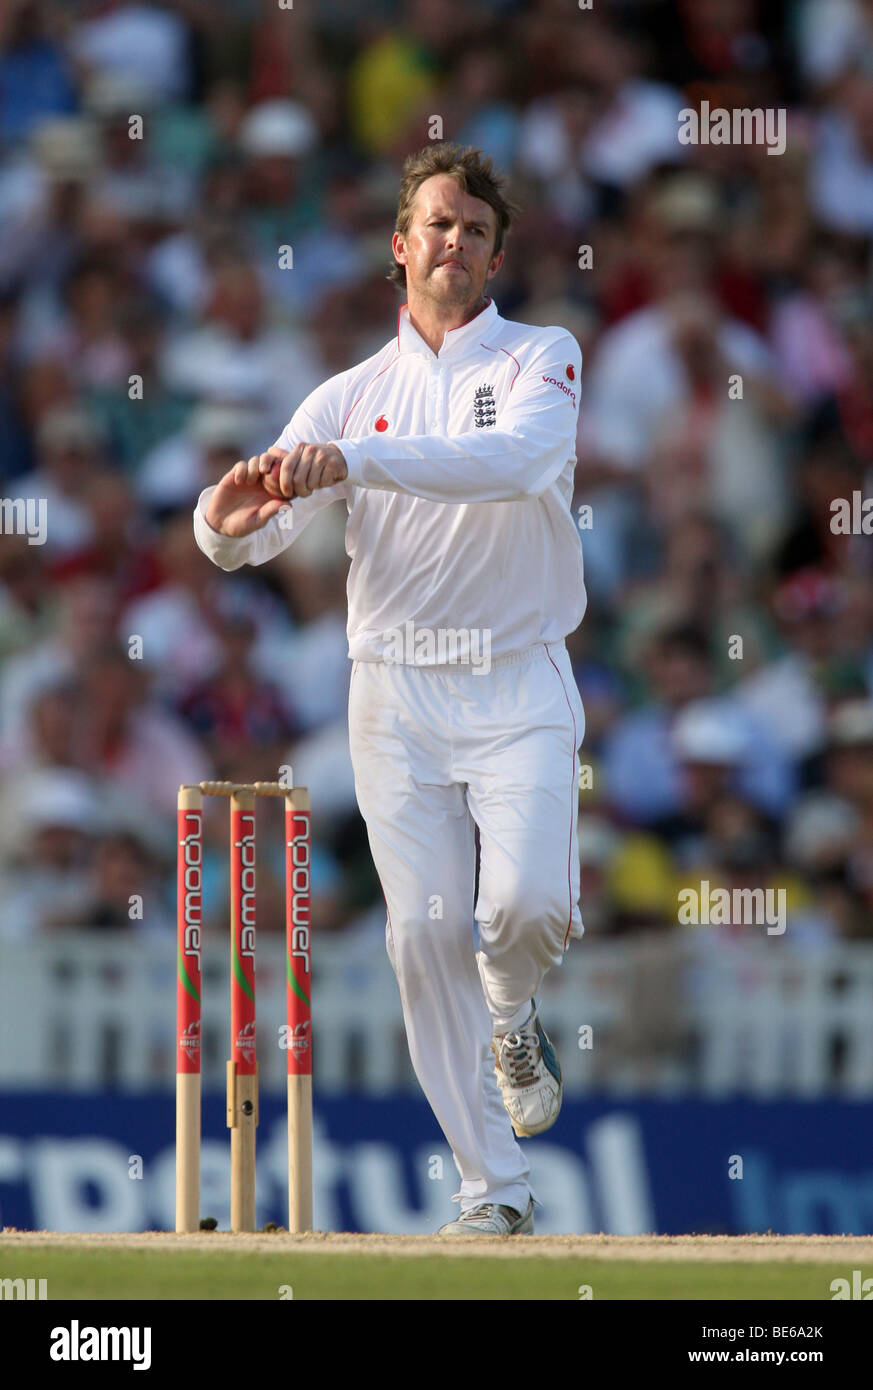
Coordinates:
(96, 1273)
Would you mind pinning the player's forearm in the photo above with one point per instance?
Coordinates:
(232, 552)
(479, 466)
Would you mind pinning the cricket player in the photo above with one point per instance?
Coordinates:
(453, 448)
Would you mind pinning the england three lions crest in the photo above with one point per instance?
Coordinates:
(484, 407)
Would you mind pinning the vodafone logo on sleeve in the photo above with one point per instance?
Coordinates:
(553, 381)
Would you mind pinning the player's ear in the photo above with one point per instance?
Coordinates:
(496, 263)
(398, 246)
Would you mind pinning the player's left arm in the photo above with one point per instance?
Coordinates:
(515, 460)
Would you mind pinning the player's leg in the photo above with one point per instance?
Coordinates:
(422, 840)
(523, 792)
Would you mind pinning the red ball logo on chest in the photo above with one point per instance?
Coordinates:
(381, 424)
(571, 372)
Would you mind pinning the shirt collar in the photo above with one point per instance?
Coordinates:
(455, 341)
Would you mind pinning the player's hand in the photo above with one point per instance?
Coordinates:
(241, 503)
(307, 468)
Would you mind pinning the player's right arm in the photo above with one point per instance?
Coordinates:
(237, 522)
(239, 504)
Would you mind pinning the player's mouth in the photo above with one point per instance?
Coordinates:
(451, 265)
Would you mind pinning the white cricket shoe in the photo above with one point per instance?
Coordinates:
(487, 1219)
(529, 1075)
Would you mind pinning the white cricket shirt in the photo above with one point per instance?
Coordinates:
(459, 489)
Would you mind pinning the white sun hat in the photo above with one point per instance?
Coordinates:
(278, 127)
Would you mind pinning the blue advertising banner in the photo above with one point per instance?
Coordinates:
(106, 1162)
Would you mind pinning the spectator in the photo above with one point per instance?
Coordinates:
(843, 172)
(213, 438)
(644, 752)
(127, 739)
(144, 42)
(397, 72)
(235, 712)
(68, 443)
(36, 81)
(275, 140)
(790, 693)
(125, 893)
(75, 629)
(59, 818)
(237, 355)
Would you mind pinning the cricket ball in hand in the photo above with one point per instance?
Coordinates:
(271, 481)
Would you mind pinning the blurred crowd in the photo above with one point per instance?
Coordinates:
(159, 162)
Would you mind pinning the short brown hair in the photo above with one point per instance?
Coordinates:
(471, 170)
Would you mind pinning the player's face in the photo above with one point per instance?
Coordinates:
(448, 249)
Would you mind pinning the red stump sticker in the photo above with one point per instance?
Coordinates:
(242, 899)
(298, 961)
(189, 871)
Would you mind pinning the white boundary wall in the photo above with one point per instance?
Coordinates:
(670, 1014)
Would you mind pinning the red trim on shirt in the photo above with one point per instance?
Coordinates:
(517, 366)
(472, 316)
(509, 354)
(364, 392)
(405, 305)
(572, 781)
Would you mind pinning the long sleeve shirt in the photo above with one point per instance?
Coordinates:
(459, 488)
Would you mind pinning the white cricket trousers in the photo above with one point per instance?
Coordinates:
(437, 751)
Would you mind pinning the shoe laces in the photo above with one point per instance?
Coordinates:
(518, 1054)
(482, 1213)
(486, 1212)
